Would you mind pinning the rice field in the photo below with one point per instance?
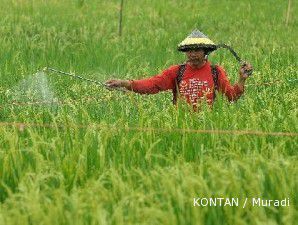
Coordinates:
(72, 152)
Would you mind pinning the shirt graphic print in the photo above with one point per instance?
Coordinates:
(195, 90)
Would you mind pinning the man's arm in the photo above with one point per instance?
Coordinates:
(161, 82)
(233, 92)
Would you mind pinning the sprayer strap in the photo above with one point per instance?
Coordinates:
(215, 74)
(178, 79)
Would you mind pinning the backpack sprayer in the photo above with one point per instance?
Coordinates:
(48, 69)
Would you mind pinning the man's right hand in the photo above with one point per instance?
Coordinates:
(115, 83)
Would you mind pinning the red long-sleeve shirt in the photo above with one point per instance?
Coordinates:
(197, 84)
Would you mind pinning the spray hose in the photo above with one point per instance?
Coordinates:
(241, 62)
(48, 69)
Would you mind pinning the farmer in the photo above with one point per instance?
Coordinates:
(195, 81)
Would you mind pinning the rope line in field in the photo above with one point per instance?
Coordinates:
(50, 102)
(22, 126)
(88, 98)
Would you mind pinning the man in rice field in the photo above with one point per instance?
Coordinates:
(195, 81)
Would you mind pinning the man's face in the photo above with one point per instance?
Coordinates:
(195, 56)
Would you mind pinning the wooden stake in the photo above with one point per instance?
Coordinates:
(288, 12)
(120, 18)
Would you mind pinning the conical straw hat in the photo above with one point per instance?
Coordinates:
(196, 40)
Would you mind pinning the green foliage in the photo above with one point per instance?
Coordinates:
(112, 175)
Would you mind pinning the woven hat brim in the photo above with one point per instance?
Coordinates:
(197, 40)
(196, 43)
(208, 48)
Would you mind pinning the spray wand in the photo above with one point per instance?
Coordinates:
(48, 69)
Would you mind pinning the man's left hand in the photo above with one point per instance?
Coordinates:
(245, 71)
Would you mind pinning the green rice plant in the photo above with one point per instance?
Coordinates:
(85, 155)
